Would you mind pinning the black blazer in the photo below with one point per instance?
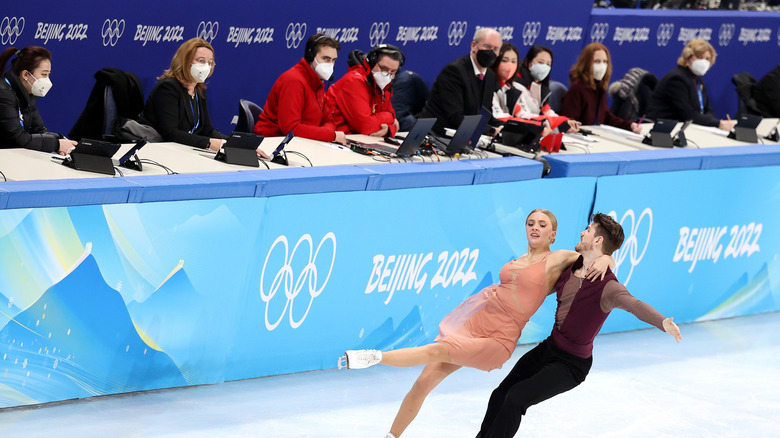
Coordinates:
(128, 95)
(169, 109)
(675, 98)
(15, 100)
(457, 92)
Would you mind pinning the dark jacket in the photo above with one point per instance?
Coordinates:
(17, 108)
(767, 93)
(675, 97)
(172, 112)
(457, 92)
(589, 107)
(128, 95)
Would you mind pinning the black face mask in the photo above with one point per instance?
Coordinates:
(486, 58)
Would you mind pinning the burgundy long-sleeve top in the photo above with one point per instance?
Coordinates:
(584, 305)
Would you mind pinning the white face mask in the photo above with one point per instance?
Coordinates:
(382, 79)
(540, 71)
(700, 66)
(324, 70)
(40, 87)
(599, 70)
(200, 72)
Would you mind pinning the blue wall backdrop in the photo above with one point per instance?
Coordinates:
(255, 42)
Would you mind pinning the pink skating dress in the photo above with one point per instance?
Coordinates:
(482, 332)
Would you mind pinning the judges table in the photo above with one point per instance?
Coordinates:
(218, 272)
(164, 158)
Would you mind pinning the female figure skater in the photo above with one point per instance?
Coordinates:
(482, 332)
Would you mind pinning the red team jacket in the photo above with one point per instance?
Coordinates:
(296, 103)
(357, 106)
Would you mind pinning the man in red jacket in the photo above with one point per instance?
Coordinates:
(359, 102)
(297, 100)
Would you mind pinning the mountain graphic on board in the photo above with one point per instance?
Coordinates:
(187, 325)
(77, 341)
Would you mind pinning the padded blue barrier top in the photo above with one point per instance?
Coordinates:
(300, 180)
(624, 163)
(61, 193)
(661, 160)
(741, 156)
(606, 164)
(412, 175)
(497, 170)
(156, 188)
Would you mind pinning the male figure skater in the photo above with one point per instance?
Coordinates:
(562, 361)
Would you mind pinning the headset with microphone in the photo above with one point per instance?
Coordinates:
(309, 53)
(385, 49)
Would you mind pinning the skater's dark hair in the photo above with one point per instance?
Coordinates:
(610, 230)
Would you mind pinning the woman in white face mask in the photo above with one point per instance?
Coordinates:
(361, 101)
(296, 102)
(681, 94)
(586, 99)
(28, 79)
(177, 107)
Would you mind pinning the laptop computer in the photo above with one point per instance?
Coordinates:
(409, 146)
(240, 149)
(461, 140)
(486, 115)
(92, 156)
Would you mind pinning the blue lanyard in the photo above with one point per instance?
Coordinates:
(21, 118)
(701, 97)
(197, 119)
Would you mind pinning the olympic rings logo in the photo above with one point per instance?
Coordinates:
(294, 35)
(10, 29)
(531, 30)
(293, 284)
(726, 33)
(456, 32)
(207, 30)
(630, 246)
(112, 31)
(664, 34)
(378, 33)
(599, 32)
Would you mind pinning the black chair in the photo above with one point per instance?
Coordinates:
(746, 104)
(248, 112)
(110, 113)
(409, 94)
(557, 90)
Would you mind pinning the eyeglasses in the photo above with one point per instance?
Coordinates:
(485, 46)
(202, 61)
(386, 73)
